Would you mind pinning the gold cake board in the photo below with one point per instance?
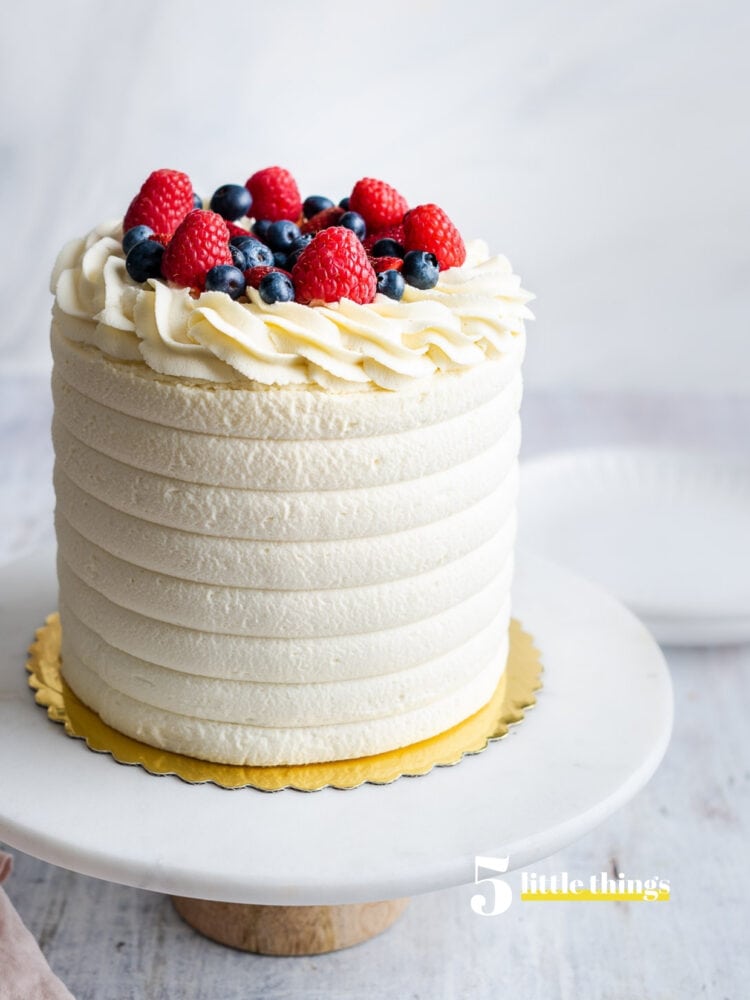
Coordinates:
(291, 930)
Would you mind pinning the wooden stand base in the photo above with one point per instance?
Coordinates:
(288, 930)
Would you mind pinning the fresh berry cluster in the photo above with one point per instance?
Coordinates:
(310, 251)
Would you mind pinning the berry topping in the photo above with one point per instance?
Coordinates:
(200, 242)
(135, 235)
(427, 227)
(314, 204)
(355, 222)
(197, 201)
(391, 283)
(387, 264)
(344, 203)
(334, 266)
(144, 260)
(281, 235)
(238, 257)
(386, 247)
(275, 194)
(276, 287)
(254, 275)
(322, 220)
(231, 201)
(420, 269)
(235, 230)
(225, 278)
(254, 252)
(378, 203)
(281, 260)
(164, 200)
(162, 238)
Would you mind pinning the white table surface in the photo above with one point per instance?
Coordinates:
(690, 825)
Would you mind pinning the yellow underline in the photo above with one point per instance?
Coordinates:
(589, 897)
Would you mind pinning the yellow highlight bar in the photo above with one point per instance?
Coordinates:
(586, 896)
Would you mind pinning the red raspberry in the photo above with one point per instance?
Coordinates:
(200, 242)
(254, 275)
(162, 238)
(378, 203)
(334, 266)
(386, 264)
(235, 230)
(275, 195)
(427, 227)
(391, 233)
(322, 220)
(164, 200)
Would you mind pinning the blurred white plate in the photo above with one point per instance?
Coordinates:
(666, 532)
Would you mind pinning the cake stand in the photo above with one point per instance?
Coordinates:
(321, 870)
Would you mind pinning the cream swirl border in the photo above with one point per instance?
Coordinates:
(476, 311)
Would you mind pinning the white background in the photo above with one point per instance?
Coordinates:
(604, 147)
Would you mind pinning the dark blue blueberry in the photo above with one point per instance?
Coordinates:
(297, 247)
(281, 235)
(387, 248)
(344, 203)
(420, 269)
(391, 283)
(135, 235)
(197, 201)
(275, 287)
(355, 222)
(231, 201)
(260, 227)
(281, 260)
(256, 253)
(314, 204)
(225, 278)
(144, 260)
(238, 257)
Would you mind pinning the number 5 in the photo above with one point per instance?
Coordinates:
(502, 892)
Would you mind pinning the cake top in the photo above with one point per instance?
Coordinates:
(266, 287)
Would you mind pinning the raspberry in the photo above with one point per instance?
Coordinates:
(334, 266)
(378, 203)
(322, 220)
(200, 242)
(254, 275)
(235, 230)
(162, 238)
(164, 200)
(391, 233)
(427, 227)
(275, 195)
(387, 264)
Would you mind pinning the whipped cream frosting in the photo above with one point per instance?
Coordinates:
(474, 313)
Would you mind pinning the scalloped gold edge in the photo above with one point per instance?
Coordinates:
(513, 697)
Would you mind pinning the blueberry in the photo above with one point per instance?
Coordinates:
(225, 278)
(355, 222)
(135, 235)
(256, 253)
(344, 203)
(420, 269)
(314, 204)
(297, 247)
(387, 248)
(391, 283)
(281, 260)
(276, 287)
(144, 260)
(260, 227)
(231, 201)
(281, 235)
(238, 257)
(197, 201)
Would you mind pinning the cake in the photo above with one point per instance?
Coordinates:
(285, 519)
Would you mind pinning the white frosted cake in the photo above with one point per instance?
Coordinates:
(285, 529)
